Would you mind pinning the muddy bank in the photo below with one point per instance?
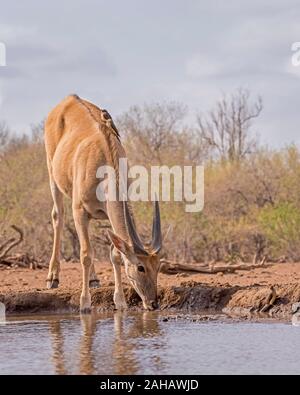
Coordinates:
(265, 292)
(189, 297)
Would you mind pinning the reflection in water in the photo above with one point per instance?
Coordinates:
(145, 344)
(57, 346)
(125, 350)
(122, 353)
(118, 352)
(88, 323)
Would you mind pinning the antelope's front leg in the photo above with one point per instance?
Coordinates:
(94, 281)
(119, 297)
(86, 255)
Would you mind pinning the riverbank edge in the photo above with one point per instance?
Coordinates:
(188, 297)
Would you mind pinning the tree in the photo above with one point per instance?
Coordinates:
(4, 134)
(227, 128)
(37, 131)
(152, 130)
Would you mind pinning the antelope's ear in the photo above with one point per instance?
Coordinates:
(119, 243)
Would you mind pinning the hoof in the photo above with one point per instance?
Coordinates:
(52, 284)
(86, 310)
(120, 302)
(94, 284)
(121, 308)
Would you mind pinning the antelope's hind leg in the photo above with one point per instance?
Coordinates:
(57, 222)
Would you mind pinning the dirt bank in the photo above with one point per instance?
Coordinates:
(240, 294)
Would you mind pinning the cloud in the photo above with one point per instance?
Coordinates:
(13, 33)
(25, 60)
(256, 40)
(185, 51)
(88, 59)
(200, 65)
(8, 73)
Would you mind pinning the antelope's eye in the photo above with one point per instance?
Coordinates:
(141, 269)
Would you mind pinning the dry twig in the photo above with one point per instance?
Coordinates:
(169, 267)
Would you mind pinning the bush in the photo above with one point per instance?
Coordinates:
(281, 225)
(252, 205)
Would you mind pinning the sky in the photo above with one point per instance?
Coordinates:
(121, 53)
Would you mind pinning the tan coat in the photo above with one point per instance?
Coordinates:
(79, 138)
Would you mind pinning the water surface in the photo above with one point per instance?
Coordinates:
(143, 343)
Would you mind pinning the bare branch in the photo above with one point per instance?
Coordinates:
(226, 129)
(12, 242)
(169, 267)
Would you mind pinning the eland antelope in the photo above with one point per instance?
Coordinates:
(79, 138)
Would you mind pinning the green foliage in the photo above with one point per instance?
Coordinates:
(281, 225)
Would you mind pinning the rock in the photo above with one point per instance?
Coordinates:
(295, 307)
(2, 312)
(296, 319)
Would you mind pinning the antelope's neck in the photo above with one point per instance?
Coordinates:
(116, 217)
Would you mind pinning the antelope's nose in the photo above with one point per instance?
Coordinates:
(154, 304)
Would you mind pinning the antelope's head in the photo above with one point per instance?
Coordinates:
(141, 264)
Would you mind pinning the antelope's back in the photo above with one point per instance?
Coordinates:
(79, 138)
(68, 123)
